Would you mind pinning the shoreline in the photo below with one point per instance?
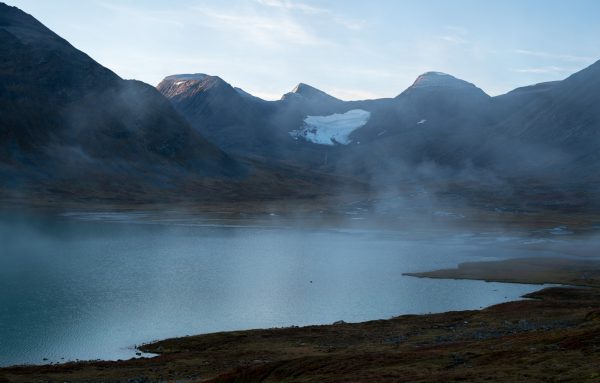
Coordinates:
(141, 347)
(408, 348)
(542, 270)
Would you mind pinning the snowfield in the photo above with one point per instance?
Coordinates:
(333, 129)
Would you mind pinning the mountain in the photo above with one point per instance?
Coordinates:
(554, 128)
(230, 118)
(298, 127)
(441, 116)
(435, 97)
(66, 120)
(303, 93)
(243, 124)
(560, 113)
(70, 128)
(69, 124)
(434, 121)
(441, 128)
(248, 126)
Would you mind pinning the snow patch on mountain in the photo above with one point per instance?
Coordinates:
(187, 77)
(332, 129)
(440, 80)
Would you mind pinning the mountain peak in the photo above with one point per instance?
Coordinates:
(438, 79)
(27, 29)
(441, 81)
(67, 109)
(303, 88)
(13, 16)
(435, 74)
(192, 84)
(201, 80)
(307, 92)
(186, 77)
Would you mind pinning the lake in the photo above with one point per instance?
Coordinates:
(93, 285)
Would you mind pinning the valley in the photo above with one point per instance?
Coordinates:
(193, 231)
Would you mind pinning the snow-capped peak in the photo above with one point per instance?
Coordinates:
(437, 79)
(192, 84)
(307, 92)
(187, 77)
(434, 81)
(434, 73)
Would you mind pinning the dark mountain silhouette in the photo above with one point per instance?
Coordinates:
(307, 93)
(65, 117)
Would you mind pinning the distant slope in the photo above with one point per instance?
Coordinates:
(559, 124)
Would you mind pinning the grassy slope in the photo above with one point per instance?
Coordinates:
(525, 270)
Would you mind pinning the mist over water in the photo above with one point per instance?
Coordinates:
(93, 285)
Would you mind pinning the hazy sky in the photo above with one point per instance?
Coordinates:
(352, 49)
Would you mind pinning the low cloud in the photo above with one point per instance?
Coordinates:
(307, 9)
(292, 6)
(554, 56)
(454, 39)
(260, 29)
(141, 14)
(545, 70)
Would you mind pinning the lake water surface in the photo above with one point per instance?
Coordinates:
(92, 286)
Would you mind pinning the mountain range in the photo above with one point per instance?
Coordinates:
(440, 127)
(70, 125)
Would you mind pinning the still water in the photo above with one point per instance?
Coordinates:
(86, 287)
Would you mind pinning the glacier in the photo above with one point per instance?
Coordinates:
(332, 129)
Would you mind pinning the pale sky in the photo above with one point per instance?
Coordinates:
(352, 49)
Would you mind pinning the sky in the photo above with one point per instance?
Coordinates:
(352, 49)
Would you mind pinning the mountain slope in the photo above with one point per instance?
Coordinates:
(230, 118)
(553, 128)
(65, 117)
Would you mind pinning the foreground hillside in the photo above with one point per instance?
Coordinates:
(66, 117)
(553, 336)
